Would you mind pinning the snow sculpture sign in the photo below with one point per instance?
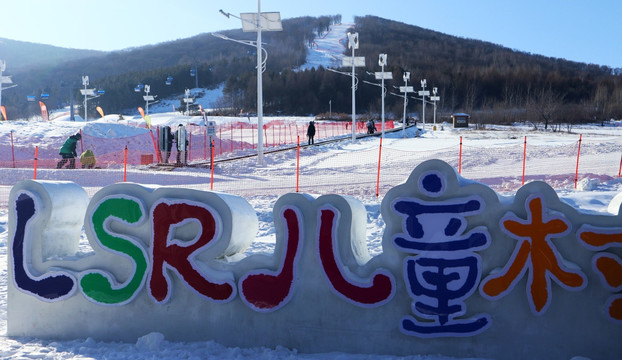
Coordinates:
(464, 271)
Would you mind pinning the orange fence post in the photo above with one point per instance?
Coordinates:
(242, 136)
(576, 174)
(13, 150)
(155, 146)
(36, 159)
(125, 165)
(619, 171)
(378, 178)
(524, 158)
(460, 158)
(297, 162)
(212, 167)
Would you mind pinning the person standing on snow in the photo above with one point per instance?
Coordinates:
(311, 132)
(68, 152)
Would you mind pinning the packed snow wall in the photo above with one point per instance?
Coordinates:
(464, 272)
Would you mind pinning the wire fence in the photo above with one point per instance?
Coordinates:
(311, 169)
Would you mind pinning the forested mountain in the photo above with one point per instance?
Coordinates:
(119, 72)
(487, 80)
(492, 82)
(21, 55)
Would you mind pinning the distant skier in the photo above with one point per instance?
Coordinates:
(68, 152)
(311, 132)
(371, 127)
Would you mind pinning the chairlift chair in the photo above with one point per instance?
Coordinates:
(44, 96)
(139, 88)
(169, 80)
(31, 98)
(101, 92)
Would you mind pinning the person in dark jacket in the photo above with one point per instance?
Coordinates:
(167, 143)
(68, 152)
(311, 132)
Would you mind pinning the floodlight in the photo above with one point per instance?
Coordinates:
(423, 83)
(435, 90)
(406, 76)
(382, 59)
(85, 80)
(268, 21)
(353, 40)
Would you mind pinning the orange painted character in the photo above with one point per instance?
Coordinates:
(607, 265)
(536, 254)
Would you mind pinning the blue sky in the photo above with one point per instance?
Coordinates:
(578, 30)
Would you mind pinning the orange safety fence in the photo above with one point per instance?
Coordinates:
(312, 169)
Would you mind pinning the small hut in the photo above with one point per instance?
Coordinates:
(461, 120)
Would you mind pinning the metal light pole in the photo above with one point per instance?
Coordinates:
(86, 92)
(434, 99)
(270, 21)
(382, 61)
(148, 98)
(405, 89)
(259, 90)
(188, 100)
(423, 94)
(353, 43)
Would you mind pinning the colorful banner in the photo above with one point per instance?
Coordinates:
(44, 111)
(142, 112)
(3, 111)
(148, 121)
(100, 111)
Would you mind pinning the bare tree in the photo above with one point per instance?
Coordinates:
(544, 104)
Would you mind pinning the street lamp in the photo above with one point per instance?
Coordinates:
(434, 99)
(354, 61)
(89, 94)
(188, 100)
(149, 99)
(423, 94)
(382, 61)
(405, 89)
(266, 21)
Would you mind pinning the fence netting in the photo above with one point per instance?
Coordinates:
(332, 168)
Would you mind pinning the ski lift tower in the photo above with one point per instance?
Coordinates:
(405, 89)
(353, 61)
(4, 80)
(259, 21)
